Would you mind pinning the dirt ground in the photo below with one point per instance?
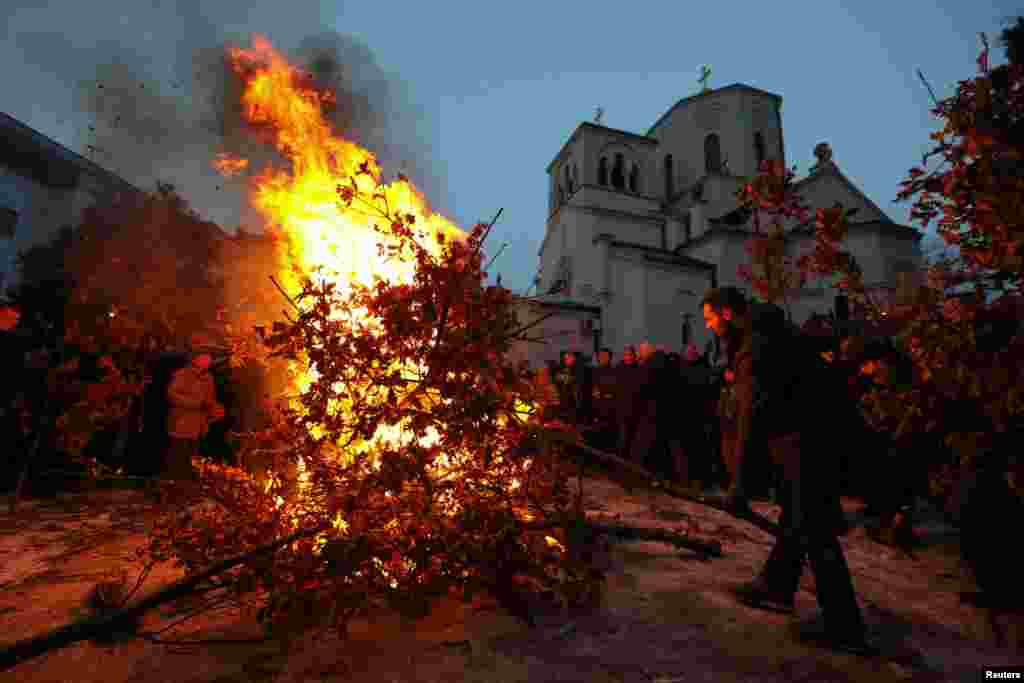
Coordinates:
(668, 615)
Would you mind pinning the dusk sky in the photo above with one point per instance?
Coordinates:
(481, 96)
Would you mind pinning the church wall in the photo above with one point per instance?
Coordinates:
(563, 331)
(551, 252)
(583, 253)
(709, 250)
(648, 302)
(865, 247)
(826, 191)
(679, 137)
(624, 314)
(719, 195)
(735, 115)
(645, 232)
(664, 308)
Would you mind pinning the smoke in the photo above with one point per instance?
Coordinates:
(152, 97)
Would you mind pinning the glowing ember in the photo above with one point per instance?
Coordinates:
(229, 166)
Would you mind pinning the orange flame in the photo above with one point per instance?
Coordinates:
(229, 166)
(301, 202)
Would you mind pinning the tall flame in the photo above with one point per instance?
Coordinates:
(301, 202)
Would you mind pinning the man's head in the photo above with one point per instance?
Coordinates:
(629, 355)
(723, 307)
(604, 357)
(201, 361)
(646, 351)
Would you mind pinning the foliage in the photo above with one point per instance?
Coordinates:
(413, 452)
(966, 352)
(98, 300)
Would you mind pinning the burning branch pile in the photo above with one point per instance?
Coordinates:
(409, 444)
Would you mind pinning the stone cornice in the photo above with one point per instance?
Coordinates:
(563, 304)
(658, 255)
(655, 217)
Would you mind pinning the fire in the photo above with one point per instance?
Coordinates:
(302, 202)
(229, 166)
(320, 234)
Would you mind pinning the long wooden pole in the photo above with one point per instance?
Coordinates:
(760, 521)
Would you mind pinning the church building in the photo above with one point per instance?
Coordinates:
(641, 225)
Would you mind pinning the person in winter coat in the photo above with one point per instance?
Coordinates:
(193, 407)
(777, 383)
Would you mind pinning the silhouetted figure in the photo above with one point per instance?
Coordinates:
(777, 382)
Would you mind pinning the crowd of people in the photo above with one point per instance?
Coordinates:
(748, 420)
(752, 422)
(638, 406)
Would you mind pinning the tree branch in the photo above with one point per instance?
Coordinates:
(29, 648)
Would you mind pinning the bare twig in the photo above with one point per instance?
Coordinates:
(284, 293)
(29, 648)
(495, 257)
(931, 92)
(536, 322)
(483, 238)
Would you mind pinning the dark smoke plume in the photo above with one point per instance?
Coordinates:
(156, 99)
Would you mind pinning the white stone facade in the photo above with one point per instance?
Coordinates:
(640, 226)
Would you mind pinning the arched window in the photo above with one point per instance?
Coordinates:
(602, 171)
(759, 153)
(568, 180)
(669, 179)
(712, 154)
(634, 178)
(619, 172)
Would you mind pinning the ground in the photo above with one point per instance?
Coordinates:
(668, 615)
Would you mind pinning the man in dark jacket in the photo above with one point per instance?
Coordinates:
(775, 379)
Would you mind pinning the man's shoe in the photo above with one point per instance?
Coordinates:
(759, 595)
(850, 641)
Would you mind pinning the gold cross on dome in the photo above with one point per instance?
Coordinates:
(705, 74)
